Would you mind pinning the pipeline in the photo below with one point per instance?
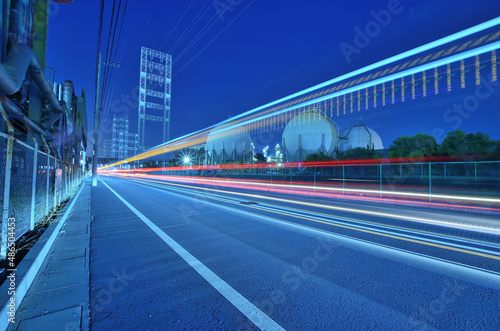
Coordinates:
(18, 62)
(14, 109)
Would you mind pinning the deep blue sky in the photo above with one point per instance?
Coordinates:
(264, 50)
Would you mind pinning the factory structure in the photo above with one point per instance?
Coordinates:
(155, 81)
(43, 123)
(37, 110)
(306, 133)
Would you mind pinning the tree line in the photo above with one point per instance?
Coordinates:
(457, 145)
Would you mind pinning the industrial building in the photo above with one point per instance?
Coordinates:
(124, 143)
(43, 123)
(41, 111)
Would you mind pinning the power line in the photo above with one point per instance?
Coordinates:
(107, 57)
(109, 79)
(108, 62)
(175, 26)
(189, 28)
(234, 19)
(194, 40)
(99, 35)
(121, 27)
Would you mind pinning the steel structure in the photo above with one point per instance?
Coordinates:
(154, 91)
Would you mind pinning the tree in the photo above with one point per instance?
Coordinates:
(470, 146)
(317, 157)
(358, 153)
(417, 146)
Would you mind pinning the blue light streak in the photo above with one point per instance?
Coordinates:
(431, 65)
(398, 57)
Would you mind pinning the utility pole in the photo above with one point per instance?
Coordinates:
(97, 115)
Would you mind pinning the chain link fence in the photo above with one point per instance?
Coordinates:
(32, 185)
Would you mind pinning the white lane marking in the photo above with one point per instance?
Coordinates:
(254, 314)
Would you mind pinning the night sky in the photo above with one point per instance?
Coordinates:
(260, 51)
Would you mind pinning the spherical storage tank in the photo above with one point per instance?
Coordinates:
(359, 135)
(307, 133)
(233, 144)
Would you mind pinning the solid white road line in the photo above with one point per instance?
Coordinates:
(254, 314)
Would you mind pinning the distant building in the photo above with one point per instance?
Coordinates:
(123, 143)
(105, 148)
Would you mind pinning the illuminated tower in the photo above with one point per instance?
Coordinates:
(154, 91)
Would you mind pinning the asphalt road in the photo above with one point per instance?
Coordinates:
(183, 256)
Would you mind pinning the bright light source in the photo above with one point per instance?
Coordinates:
(186, 160)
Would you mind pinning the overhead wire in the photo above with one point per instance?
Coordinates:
(194, 40)
(110, 66)
(175, 26)
(99, 35)
(213, 39)
(110, 96)
(190, 27)
(109, 50)
(110, 70)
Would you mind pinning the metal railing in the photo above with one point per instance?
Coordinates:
(477, 181)
(32, 185)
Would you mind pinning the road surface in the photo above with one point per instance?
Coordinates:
(184, 256)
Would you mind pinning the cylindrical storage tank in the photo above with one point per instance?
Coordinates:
(307, 133)
(67, 96)
(359, 135)
(223, 145)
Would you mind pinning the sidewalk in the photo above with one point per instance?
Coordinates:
(58, 267)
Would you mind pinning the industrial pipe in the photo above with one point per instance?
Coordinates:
(14, 109)
(13, 70)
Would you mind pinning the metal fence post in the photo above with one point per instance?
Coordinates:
(55, 183)
(314, 178)
(380, 175)
(48, 184)
(430, 182)
(6, 196)
(33, 186)
(343, 179)
(65, 174)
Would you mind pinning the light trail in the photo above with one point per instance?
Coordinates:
(308, 164)
(337, 221)
(337, 208)
(175, 144)
(409, 72)
(287, 188)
